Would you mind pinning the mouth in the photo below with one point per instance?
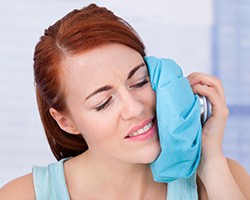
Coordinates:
(143, 131)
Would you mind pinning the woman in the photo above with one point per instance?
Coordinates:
(94, 97)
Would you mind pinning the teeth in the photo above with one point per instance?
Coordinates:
(142, 130)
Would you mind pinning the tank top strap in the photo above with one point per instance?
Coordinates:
(49, 182)
(183, 189)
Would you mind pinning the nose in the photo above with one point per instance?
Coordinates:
(131, 106)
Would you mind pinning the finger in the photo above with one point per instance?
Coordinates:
(218, 103)
(198, 78)
(208, 80)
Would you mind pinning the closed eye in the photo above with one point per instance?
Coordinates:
(140, 84)
(104, 105)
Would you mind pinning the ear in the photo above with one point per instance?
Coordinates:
(64, 122)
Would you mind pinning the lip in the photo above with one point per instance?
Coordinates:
(144, 136)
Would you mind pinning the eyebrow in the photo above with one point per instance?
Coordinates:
(132, 72)
(107, 87)
(102, 89)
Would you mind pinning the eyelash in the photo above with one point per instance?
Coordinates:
(107, 103)
(138, 85)
(104, 105)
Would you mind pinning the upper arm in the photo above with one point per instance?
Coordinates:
(19, 189)
(241, 177)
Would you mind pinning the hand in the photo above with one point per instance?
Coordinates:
(213, 168)
(213, 129)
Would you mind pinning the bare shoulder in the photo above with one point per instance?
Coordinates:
(241, 176)
(19, 189)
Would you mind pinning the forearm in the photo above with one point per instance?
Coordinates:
(218, 180)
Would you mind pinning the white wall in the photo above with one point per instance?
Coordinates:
(177, 29)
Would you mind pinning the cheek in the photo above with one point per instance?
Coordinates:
(98, 128)
(150, 97)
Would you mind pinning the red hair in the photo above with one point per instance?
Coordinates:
(78, 31)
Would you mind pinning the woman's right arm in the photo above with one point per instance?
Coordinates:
(219, 179)
(19, 189)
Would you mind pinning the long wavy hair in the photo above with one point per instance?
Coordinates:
(78, 31)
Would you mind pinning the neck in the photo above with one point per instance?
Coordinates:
(118, 172)
(118, 179)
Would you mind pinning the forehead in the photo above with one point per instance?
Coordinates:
(105, 57)
(97, 66)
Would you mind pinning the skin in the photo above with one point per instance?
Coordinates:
(213, 163)
(106, 118)
(127, 105)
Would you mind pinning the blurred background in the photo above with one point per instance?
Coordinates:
(207, 36)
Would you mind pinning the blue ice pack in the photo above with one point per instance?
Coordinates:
(178, 119)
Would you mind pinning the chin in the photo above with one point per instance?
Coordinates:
(150, 159)
(150, 155)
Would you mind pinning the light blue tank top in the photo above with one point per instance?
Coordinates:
(50, 183)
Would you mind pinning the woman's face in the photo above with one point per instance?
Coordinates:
(111, 103)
